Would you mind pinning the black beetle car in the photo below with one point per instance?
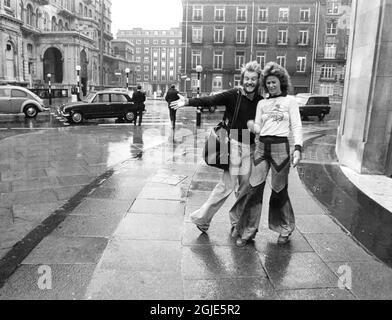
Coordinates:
(101, 104)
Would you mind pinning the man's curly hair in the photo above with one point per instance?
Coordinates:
(274, 69)
(252, 66)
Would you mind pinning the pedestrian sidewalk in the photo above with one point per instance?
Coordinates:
(131, 238)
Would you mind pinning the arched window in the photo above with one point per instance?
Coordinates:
(80, 9)
(60, 25)
(29, 15)
(90, 13)
(45, 21)
(10, 61)
(85, 11)
(116, 51)
(66, 26)
(37, 18)
(54, 24)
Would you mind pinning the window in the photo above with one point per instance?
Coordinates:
(333, 7)
(102, 98)
(282, 36)
(194, 81)
(29, 48)
(301, 64)
(146, 77)
(304, 15)
(119, 98)
(197, 14)
(332, 28)
(219, 13)
(146, 68)
(138, 41)
(196, 58)
(197, 34)
(283, 15)
(218, 60)
(146, 41)
(237, 80)
(262, 14)
(18, 94)
(330, 51)
(146, 50)
(281, 60)
(138, 50)
(327, 89)
(303, 37)
(163, 42)
(241, 13)
(260, 58)
(138, 59)
(217, 82)
(327, 71)
(239, 59)
(171, 42)
(261, 37)
(241, 35)
(218, 34)
(7, 3)
(155, 42)
(146, 60)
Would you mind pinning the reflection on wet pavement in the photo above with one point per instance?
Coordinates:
(367, 221)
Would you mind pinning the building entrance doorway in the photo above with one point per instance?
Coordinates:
(53, 64)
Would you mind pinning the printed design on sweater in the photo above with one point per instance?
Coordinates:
(276, 114)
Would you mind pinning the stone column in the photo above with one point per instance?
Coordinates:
(364, 135)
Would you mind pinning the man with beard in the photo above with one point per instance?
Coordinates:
(241, 145)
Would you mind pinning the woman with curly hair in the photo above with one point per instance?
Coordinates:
(276, 116)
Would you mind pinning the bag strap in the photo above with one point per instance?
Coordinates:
(237, 108)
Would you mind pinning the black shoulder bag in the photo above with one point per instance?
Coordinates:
(217, 145)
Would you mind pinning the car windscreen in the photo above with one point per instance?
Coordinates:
(301, 100)
(89, 97)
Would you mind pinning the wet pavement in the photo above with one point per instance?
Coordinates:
(367, 221)
(104, 207)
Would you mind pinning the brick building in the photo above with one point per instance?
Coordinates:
(221, 35)
(157, 57)
(39, 37)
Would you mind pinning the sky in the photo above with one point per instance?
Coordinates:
(146, 14)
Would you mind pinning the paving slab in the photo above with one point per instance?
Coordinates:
(337, 247)
(135, 285)
(172, 207)
(150, 227)
(68, 282)
(101, 207)
(297, 270)
(216, 262)
(317, 224)
(370, 280)
(142, 255)
(252, 288)
(67, 250)
(316, 294)
(88, 226)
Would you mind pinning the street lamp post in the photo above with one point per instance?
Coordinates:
(127, 70)
(199, 70)
(78, 81)
(49, 75)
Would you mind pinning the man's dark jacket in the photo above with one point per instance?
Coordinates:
(138, 98)
(172, 95)
(228, 99)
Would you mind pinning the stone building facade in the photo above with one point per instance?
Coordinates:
(364, 141)
(331, 48)
(221, 35)
(157, 57)
(41, 37)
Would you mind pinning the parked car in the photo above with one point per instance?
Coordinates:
(101, 104)
(15, 99)
(313, 105)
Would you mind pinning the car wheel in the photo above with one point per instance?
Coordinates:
(321, 116)
(31, 111)
(76, 117)
(130, 116)
(212, 109)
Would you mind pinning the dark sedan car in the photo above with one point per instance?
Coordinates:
(101, 104)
